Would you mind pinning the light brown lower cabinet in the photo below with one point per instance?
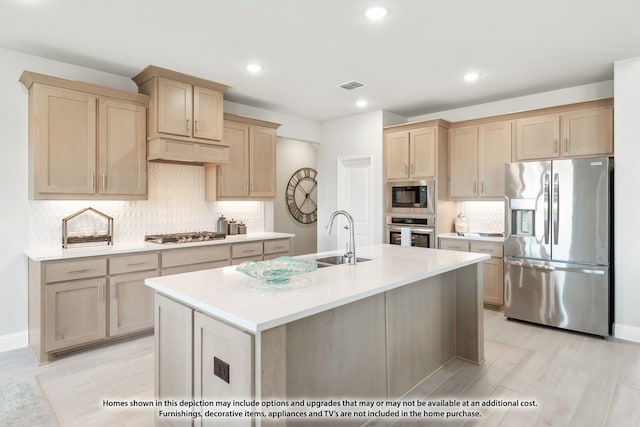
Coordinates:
(493, 267)
(130, 303)
(84, 301)
(75, 313)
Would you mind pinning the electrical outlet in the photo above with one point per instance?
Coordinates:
(221, 369)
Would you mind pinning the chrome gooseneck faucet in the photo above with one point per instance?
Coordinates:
(350, 253)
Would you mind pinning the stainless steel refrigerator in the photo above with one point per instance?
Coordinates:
(558, 243)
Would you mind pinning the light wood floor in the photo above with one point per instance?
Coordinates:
(577, 380)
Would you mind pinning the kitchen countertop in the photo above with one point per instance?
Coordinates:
(471, 236)
(254, 305)
(121, 248)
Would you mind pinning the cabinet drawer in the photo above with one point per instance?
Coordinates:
(276, 246)
(131, 263)
(268, 257)
(255, 258)
(454, 245)
(201, 254)
(58, 271)
(194, 267)
(491, 248)
(249, 249)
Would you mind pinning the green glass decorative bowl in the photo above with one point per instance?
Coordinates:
(277, 270)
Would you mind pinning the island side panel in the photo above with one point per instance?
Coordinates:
(469, 315)
(173, 353)
(273, 369)
(339, 353)
(420, 331)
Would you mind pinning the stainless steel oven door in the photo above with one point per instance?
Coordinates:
(423, 237)
(418, 204)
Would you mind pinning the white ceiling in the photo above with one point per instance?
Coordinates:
(412, 63)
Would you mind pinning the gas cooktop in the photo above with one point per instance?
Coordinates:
(196, 236)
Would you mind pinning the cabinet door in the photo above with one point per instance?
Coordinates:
(495, 151)
(130, 303)
(216, 340)
(463, 163)
(63, 129)
(422, 153)
(262, 162)
(588, 132)
(207, 114)
(174, 107)
(173, 350)
(538, 137)
(122, 148)
(75, 313)
(397, 155)
(233, 177)
(493, 281)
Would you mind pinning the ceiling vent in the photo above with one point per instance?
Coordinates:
(351, 85)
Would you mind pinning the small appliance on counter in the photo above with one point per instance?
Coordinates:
(461, 225)
(233, 227)
(242, 228)
(222, 225)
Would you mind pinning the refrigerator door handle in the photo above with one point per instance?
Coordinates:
(546, 208)
(555, 207)
(529, 265)
(526, 264)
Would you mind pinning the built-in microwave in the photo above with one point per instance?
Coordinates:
(410, 197)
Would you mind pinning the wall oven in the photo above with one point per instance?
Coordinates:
(410, 197)
(421, 230)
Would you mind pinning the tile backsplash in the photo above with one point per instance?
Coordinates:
(175, 204)
(483, 217)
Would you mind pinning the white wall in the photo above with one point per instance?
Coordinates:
(292, 127)
(292, 155)
(349, 136)
(627, 198)
(553, 98)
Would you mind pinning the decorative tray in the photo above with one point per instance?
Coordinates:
(277, 270)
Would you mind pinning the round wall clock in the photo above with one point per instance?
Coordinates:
(302, 195)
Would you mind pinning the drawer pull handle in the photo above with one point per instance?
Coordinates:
(133, 264)
(249, 251)
(79, 271)
(278, 247)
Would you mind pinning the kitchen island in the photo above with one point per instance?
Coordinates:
(372, 330)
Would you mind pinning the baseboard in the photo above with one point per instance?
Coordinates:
(626, 332)
(14, 341)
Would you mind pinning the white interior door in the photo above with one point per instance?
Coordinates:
(355, 195)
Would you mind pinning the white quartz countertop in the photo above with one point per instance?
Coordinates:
(254, 305)
(120, 248)
(471, 236)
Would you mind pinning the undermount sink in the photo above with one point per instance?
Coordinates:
(336, 260)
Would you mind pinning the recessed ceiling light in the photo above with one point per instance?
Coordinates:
(254, 68)
(376, 13)
(470, 77)
(361, 103)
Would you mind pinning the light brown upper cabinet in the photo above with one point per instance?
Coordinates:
(251, 172)
(574, 133)
(185, 116)
(410, 154)
(85, 141)
(477, 155)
